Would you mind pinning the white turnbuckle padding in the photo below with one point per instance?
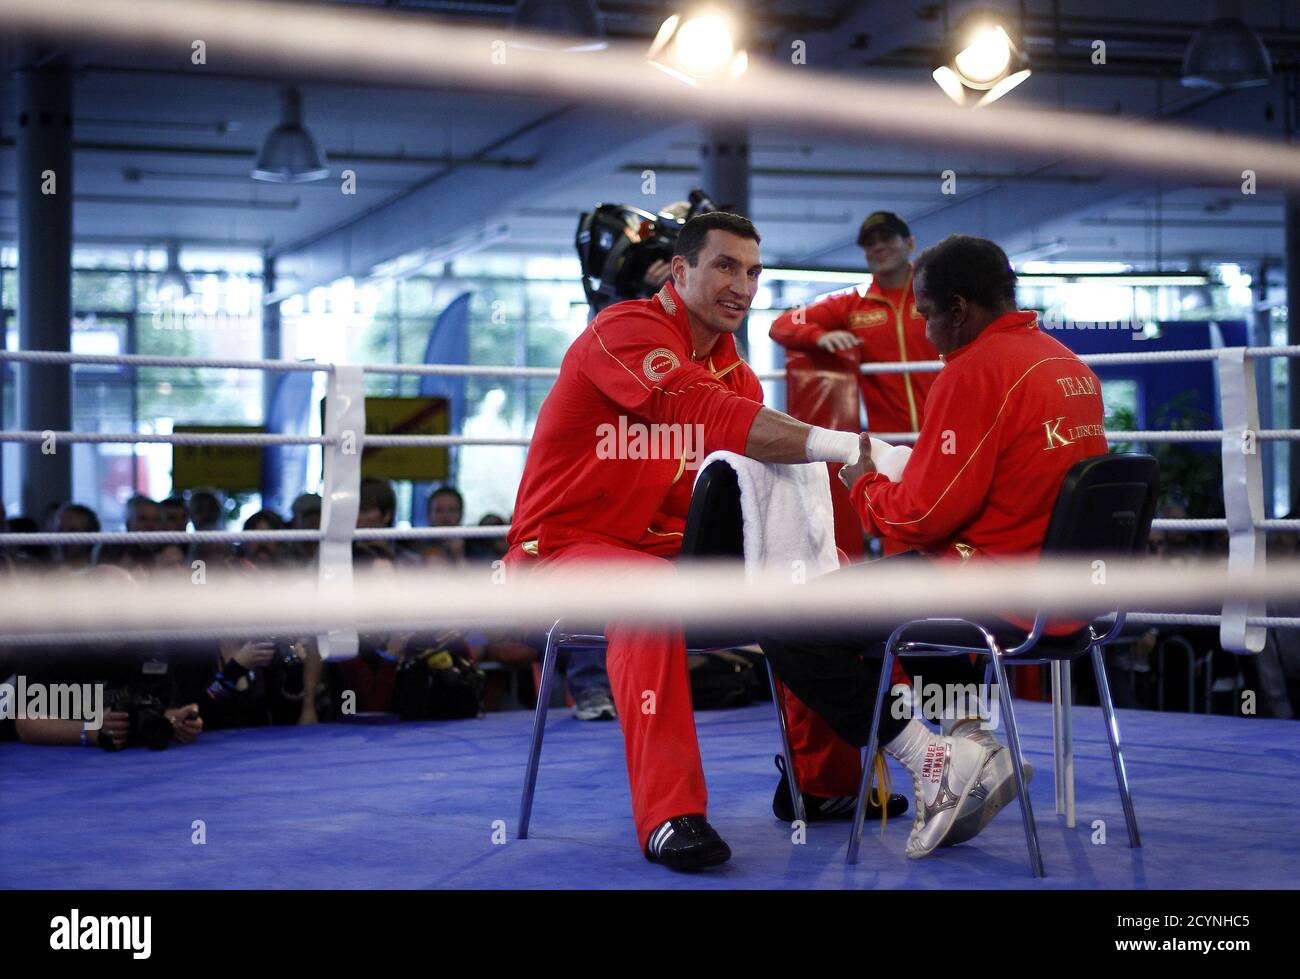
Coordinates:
(345, 421)
(1243, 493)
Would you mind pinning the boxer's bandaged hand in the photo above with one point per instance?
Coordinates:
(890, 460)
(827, 445)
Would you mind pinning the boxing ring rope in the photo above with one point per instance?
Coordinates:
(98, 606)
(344, 439)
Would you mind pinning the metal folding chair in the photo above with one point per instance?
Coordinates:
(1104, 509)
(714, 530)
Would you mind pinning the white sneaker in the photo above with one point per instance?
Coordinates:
(993, 791)
(952, 768)
(594, 705)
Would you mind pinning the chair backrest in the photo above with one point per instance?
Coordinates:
(714, 525)
(1105, 507)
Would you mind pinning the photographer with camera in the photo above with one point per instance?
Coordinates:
(141, 701)
(256, 682)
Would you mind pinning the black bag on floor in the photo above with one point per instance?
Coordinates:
(440, 682)
(721, 679)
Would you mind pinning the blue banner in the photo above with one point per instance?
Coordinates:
(284, 467)
(448, 344)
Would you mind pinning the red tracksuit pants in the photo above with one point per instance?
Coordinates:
(652, 691)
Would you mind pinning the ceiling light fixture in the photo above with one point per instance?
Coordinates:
(698, 48)
(984, 63)
(1226, 54)
(173, 284)
(289, 155)
(536, 23)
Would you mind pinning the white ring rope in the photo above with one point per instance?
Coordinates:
(235, 439)
(440, 441)
(148, 360)
(145, 538)
(490, 370)
(154, 538)
(1260, 621)
(347, 43)
(1189, 435)
(236, 632)
(696, 595)
(172, 438)
(1102, 360)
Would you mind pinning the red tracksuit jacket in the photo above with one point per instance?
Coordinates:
(1007, 417)
(889, 334)
(622, 432)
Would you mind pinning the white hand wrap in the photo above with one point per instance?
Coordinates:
(826, 445)
(890, 460)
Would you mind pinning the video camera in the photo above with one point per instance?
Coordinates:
(617, 244)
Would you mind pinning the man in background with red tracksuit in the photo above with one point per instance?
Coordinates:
(879, 326)
(586, 498)
(1010, 414)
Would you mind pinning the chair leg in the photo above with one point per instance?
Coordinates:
(1116, 754)
(1017, 761)
(1063, 739)
(778, 701)
(549, 658)
(868, 763)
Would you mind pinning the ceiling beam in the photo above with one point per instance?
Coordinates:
(446, 205)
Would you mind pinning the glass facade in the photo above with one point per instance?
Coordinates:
(523, 310)
(117, 310)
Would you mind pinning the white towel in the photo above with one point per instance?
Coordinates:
(787, 512)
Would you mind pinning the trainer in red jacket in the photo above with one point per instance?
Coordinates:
(644, 394)
(1012, 411)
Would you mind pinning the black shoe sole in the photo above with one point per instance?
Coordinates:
(896, 807)
(696, 858)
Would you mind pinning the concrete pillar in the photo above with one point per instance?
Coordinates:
(272, 347)
(1293, 337)
(724, 175)
(1261, 335)
(44, 188)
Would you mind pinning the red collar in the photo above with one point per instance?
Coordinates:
(724, 348)
(876, 291)
(1018, 322)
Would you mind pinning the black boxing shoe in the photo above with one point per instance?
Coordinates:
(686, 843)
(820, 808)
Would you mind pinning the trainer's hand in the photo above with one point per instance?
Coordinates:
(851, 474)
(837, 340)
(186, 722)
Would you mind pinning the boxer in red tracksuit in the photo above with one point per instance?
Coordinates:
(590, 493)
(1010, 414)
(881, 325)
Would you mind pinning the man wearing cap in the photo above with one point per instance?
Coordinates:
(878, 326)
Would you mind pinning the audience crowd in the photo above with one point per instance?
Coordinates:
(258, 679)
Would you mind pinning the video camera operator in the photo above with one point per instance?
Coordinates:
(625, 251)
